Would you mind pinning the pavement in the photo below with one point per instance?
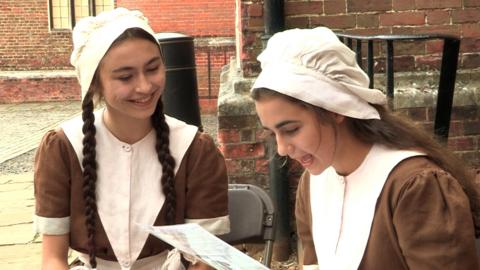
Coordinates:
(21, 129)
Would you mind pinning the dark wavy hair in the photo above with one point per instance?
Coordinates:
(89, 162)
(398, 132)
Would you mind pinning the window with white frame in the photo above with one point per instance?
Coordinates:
(61, 11)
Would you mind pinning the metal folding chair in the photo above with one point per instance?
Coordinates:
(252, 218)
(477, 242)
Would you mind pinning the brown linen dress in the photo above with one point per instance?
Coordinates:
(422, 221)
(200, 184)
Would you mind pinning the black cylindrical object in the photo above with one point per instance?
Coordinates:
(273, 18)
(280, 192)
(180, 99)
(274, 22)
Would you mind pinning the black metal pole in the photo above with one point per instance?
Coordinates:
(273, 16)
(279, 187)
(279, 190)
(370, 63)
(451, 48)
(389, 73)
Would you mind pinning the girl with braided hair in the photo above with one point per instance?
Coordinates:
(377, 192)
(100, 175)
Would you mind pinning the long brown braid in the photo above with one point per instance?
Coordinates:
(89, 154)
(89, 164)
(167, 161)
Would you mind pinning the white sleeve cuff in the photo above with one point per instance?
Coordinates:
(311, 267)
(217, 226)
(51, 226)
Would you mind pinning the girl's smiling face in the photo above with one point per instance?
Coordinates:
(132, 78)
(299, 132)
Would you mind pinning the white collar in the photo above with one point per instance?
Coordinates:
(343, 208)
(129, 181)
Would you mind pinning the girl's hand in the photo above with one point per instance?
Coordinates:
(200, 266)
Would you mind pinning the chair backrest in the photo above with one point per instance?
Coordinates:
(252, 218)
(448, 70)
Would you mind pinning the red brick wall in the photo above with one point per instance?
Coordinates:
(13, 89)
(464, 133)
(195, 18)
(454, 17)
(27, 43)
(26, 40)
(243, 149)
(216, 57)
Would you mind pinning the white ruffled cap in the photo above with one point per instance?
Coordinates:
(314, 66)
(92, 37)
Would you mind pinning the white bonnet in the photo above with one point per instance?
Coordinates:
(92, 37)
(314, 66)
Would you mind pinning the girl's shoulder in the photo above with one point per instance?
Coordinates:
(415, 165)
(203, 146)
(419, 178)
(55, 145)
(419, 171)
(54, 138)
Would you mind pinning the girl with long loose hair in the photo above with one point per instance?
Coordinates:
(377, 192)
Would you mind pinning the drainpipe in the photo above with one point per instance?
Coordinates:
(273, 18)
(278, 170)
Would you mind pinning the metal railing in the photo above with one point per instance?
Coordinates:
(448, 70)
(225, 51)
(212, 55)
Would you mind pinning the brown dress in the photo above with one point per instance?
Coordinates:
(422, 221)
(200, 183)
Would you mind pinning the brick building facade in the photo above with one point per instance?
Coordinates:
(456, 17)
(29, 45)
